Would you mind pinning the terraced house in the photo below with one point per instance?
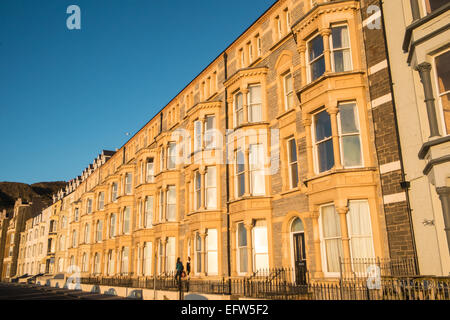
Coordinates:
(278, 154)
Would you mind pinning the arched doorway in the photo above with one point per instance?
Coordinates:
(298, 250)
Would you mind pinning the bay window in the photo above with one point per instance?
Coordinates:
(288, 91)
(340, 49)
(86, 233)
(161, 205)
(101, 201)
(349, 135)
(148, 217)
(242, 256)
(74, 239)
(254, 103)
(238, 109)
(170, 254)
(323, 141)
(147, 258)
(316, 58)
(359, 230)
(124, 266)
(197, 135)
(240, 173)
(150, 173)
(443, 86)
(98, 236)
(211, 188)
(211, 252)
(110, 262)
(84, 265)
(171, 204)
(126, 220)
(161, 160)
(112, 226)
(114, 192)
(331, 237)
(256, 165)
(198, 253)
(128, 178)
(292, 163)
(171, 155)
(210, 139)
(97, 264)
(197, 190)
(260, 246)
(89, 206)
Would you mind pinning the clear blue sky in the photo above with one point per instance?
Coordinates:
(67, 94)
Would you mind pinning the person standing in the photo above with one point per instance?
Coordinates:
(188, 266)
(179, 268)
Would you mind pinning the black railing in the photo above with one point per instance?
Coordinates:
(351, 269)
(280, 284)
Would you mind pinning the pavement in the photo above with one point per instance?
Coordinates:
(22, 291)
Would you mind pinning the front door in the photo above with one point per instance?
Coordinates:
(300, 258)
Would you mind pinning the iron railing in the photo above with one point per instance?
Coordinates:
(372, 267)
(279, 284)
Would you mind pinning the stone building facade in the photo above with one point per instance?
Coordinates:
(417, 35)
(282, 152)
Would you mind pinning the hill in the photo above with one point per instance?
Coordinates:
(38, 192)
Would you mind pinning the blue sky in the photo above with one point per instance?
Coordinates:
(67, 94)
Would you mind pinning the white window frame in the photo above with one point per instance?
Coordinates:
(150, 170)
(332, 49)
(238, 251)
(238, 112)
(439, 95)
(292, 163)
(171, 156)
(128, 183)
(256, 168)
(237, 173)
(341, 135)
(211, 171)
(148, 212)
(254, 105)
(126, 227)
(322, 242)
(316, 143)
(197, 190)
(290, 93)
(310, 62)
(171, 206)
(101, 201)
(211, 256)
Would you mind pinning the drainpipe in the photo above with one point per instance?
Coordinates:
(405, 185)
(227, 166)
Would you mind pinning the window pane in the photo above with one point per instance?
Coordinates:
(317, 68)
(294, 175)
(331, 223)
(359, 229)
(242, 235)
(339, 36)
(315, 47)
(292, 151)
(322, 125)
(351, 146)
(254, 102)
(432, 5)
(326, 155)
(297, 226)
(347, 116)
(342, 60)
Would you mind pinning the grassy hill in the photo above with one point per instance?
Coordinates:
(39, 192)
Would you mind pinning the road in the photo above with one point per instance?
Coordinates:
(20, 291)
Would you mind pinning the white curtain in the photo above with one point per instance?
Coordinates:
(332, 237)
(211, 189)
(254, 104)
(256, 159)
(147, 258)
(359, 228)
(211, 247)
(260, 246)
(171, 204)
(170, 254)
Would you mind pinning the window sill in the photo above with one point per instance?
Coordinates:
(335, 171)
(250, 197)
(202, 211)
(249, 124)
(326, 76)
